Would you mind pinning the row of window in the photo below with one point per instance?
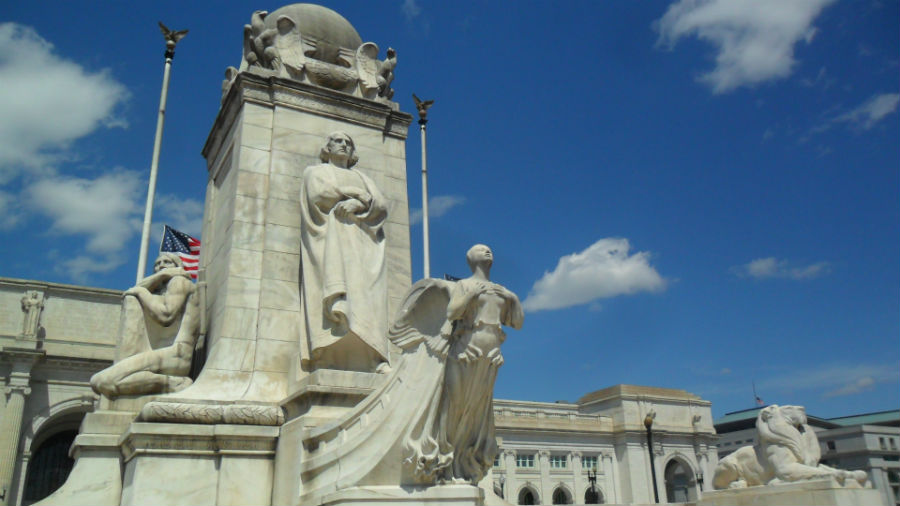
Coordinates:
(738, 442)
(883, 442)
(526, 461)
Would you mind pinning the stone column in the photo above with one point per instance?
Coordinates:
(10, 427)
(17, 388)
(512, 484)
(610, 469)
(546, 484)
(579, 483)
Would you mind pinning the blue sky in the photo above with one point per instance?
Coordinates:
(696, 195)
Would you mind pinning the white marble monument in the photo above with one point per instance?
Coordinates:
(304, 385)
(783, 468)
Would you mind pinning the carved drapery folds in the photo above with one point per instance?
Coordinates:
(434, 411)
(32, 306)
(286, 45)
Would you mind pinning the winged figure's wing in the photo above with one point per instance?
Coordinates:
(422, 317)
(164, 29)
(289, 43)
(367, 66)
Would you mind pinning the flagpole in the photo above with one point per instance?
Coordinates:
(425, 200)
(171, 39)
(422, 108)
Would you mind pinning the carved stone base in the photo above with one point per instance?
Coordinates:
(326, 394)
(827, 492)
(191, 464)
(445, 495)
(319, 398)
(211, 412)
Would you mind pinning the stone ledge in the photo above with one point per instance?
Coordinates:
(327, 387)
(198, 440)
(827, 492)
(441, 494)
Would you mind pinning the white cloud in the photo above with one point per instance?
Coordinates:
(183, 214)
(836, 379)
(603, 270)
(873, 110)
(47, 101)
(438, 206)
(81, 267)
(106, 210)
(857, 386)
(10, 215)
(771, 267)
(825, 380)
(754, 39)
(411, 9)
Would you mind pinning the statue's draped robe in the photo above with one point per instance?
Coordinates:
(343, 282)
(432, 413)
(473, 360)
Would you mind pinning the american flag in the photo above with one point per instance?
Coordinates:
(184, 246)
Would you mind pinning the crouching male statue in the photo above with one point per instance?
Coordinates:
(158, 330)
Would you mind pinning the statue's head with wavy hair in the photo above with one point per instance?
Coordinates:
(339, 145)
(167, 260)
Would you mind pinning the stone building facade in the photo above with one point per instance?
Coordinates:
(564, 452)
(870, 442)
(53, 337)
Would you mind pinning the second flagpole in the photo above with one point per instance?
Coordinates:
(172, 38)
(422, 108)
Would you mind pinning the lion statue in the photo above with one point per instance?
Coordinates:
(787, 450)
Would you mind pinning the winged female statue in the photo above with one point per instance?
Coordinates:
(432, 421)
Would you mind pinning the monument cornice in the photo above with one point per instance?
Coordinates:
(198, 440)
(271, 91)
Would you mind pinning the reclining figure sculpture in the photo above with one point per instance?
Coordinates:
(787, 450)
(158, 330)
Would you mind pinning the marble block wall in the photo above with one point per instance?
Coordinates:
(267, 132)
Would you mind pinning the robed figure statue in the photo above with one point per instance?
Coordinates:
(343, 281)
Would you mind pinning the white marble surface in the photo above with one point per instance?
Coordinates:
(158, 329)
(344, 284)
(822, 492)
(787, 450)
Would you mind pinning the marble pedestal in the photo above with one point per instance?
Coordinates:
(96, 478)
(320, 398)
(194, 464)
(827, 492)
(444, 495)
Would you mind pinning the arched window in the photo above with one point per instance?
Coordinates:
(560, 496)
(49, 466)
(593, 496)
(679, 482)
(526, 496)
